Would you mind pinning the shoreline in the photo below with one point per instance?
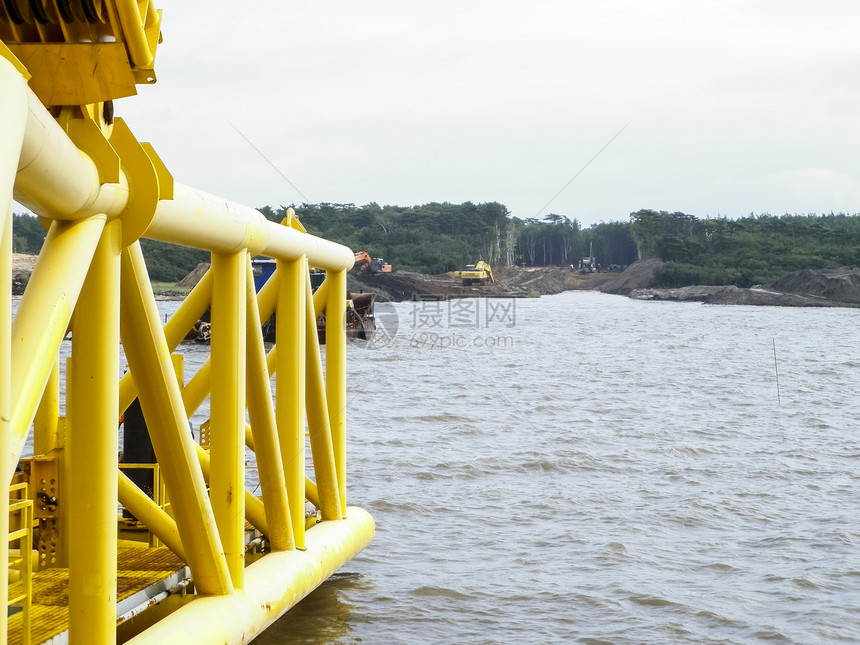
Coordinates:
(837, 287)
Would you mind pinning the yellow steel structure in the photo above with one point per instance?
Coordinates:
(98, 191)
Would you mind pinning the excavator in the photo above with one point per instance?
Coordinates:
(479, 273)
(371, 265)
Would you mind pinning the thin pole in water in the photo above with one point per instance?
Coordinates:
(776, 370)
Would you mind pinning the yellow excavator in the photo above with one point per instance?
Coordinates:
(479, 273)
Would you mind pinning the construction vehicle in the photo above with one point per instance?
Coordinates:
(371, 265)
(479, 273)
(589, 264)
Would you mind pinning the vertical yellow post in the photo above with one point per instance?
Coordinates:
(45, 425)
(149, 361)
(5, 398)
(227, 402)
(264, 429)
(318, 420)
(92, 445)
(290, 332)
(335, 374)
(13, 120)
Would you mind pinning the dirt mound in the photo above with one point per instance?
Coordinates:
(195, 276)
(842, 284)
(22, 268)
(512, 282)
(638, 275)
(22, 263)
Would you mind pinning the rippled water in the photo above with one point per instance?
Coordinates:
(603, 471)
(589, 468)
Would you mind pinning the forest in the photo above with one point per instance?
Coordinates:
(756, 249)
(439, 237)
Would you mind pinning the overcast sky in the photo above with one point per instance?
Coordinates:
(733, 106)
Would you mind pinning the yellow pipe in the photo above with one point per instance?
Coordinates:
(133, 32)
(92, 444)
(43, 318)
(197, 219)
(227, 403)
(318, 421)
(255, 511)
(5, 389)
(312, 493)
(153, 517)
(291, 333)
(56, 179)
(268, 295)
(198, 387)
(264, 429)
(335, 374)
(149, 361)
(189, 312)
(46, 421)
(274, 584)
(13, 124)
(321, 297)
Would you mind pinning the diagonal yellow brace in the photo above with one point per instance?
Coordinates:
(318, 420)
(152, 516)
(264, 430)
(43, 319)
(149, 360)
(180, 323)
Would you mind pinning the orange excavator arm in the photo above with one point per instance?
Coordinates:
(363, 260)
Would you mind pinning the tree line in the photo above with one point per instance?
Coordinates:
(440, 237)
(756, 249)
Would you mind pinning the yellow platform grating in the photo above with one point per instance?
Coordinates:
(137, 570)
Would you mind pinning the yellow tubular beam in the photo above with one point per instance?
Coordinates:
(46, 422)
(5, 390)
(13, 123)
(265, 432)
(148, 512)
(189, 312)
(311, 493)
(192, 308)
(132, 31)
(55, 178)
(255, 511)
(274, 584)
(149, 360)
(43, 318)
(196, 219)
(227, 441)
(291, 332)
(92, 444)
(321, 297)
(198, 387)
(268, 295)
(335, 374)
(318, 421)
